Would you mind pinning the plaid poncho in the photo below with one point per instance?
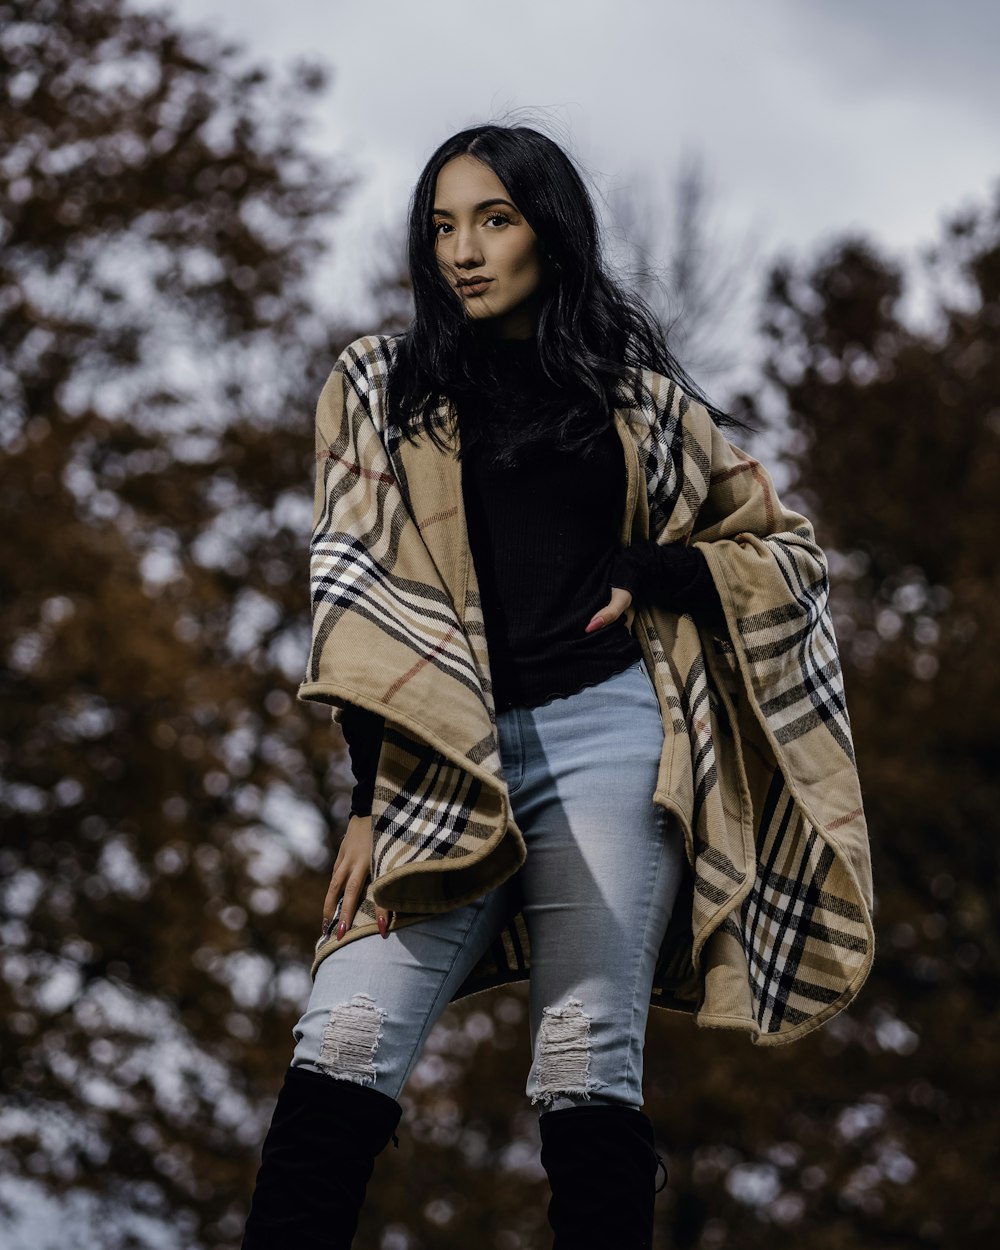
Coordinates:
(773, 933)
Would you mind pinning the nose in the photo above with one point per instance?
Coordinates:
(467, 254)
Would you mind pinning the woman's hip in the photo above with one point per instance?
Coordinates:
(599, 747)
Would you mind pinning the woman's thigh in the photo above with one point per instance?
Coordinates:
(374, 1001)
(603, 870)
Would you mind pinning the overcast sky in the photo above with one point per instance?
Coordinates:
(812, 116)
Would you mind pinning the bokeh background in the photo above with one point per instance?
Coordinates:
(199, 206)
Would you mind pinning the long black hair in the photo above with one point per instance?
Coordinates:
(594, 336)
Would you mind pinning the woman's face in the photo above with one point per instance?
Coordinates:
(479, 234)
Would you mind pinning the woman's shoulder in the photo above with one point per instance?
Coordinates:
(360, 374)
(367, 359)
(660, 397)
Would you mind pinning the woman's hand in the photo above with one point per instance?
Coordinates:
(618, 606)
(350, 873)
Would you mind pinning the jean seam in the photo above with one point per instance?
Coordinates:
(459, 947)
(660, 845)
(518, 736)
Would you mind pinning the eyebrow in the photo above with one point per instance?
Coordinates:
(476, 208)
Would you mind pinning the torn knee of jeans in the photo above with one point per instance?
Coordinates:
(350, 1039)
(563, 1066)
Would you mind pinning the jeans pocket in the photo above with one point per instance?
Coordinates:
(511, 748)
(649, 681)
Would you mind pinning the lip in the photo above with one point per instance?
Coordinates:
(473, 286)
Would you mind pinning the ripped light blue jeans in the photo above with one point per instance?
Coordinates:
(602, 872)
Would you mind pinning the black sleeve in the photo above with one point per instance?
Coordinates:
(667, 575)
(363, 735)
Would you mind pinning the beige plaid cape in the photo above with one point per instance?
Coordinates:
(774, 933)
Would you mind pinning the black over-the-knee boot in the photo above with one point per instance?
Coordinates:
(317, 1158)
(601, 1162)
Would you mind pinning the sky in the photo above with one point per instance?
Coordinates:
(811, 117)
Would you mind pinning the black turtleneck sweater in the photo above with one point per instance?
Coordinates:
(543, 525)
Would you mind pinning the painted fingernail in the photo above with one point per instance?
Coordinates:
(382, 926)
(341, 929)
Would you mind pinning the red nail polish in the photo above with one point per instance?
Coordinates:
(382, 926)
(341, 929)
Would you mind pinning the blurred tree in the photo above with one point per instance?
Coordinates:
(695, 278)
(898, 453)
(160, 794)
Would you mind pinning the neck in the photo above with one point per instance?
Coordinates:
(506, 343)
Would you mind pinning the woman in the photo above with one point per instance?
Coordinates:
(504, 660)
